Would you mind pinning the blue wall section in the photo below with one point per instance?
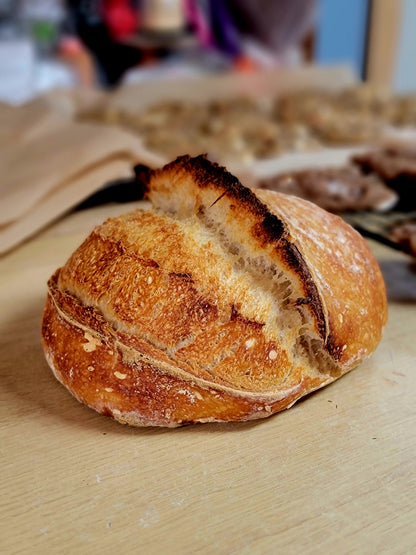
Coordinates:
(341, 33)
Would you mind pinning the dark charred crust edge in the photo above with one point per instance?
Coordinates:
(333, 348)
(295, 261)
(209, 174)
(269, 230)
(142, 177)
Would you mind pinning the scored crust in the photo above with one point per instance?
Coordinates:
(222, 303)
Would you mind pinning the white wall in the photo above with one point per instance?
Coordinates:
(405, 77)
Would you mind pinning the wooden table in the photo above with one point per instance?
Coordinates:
(334, 474)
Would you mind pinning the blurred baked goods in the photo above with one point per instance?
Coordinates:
(334, 189)
(405, 235)
(243, 129)
(351, 116)
(405, 110)
(396, 166)
(355, 115)
(231, 129)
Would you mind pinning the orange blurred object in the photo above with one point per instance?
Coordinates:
(244, 64)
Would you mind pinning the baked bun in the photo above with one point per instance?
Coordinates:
(220, 304)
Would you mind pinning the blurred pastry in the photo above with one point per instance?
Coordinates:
(396, 166)
(335, 189)
(405, 235)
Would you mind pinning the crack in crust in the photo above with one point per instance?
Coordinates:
(269, 229)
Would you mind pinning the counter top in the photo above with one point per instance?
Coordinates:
(334, 474)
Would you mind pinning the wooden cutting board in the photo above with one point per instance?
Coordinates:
(334, 474)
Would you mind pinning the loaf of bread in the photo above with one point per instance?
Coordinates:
(221, 303)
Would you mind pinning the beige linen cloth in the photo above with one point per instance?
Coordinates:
(50, 163)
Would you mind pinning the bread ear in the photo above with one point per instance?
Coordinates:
(195, 187)
(222, 303)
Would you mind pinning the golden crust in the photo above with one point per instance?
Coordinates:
(345, 273)
(221, 304)
(138, 387)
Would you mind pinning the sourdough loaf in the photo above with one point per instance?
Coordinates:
(220, 304)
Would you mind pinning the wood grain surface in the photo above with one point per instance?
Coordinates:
(334, 474)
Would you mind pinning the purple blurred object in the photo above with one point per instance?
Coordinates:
(197, 19)
(227, 36)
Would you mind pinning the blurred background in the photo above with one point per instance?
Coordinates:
(48, 44)
(315, 98)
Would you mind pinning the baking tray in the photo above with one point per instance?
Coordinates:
(378, 226)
